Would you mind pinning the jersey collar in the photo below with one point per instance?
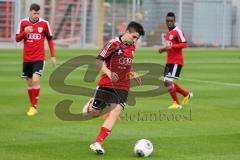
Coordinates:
(120, 40)
(171, 28)
(33, 22)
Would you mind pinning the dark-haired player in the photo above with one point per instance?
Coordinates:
(175, 41)
(33, 31)
(114, 60)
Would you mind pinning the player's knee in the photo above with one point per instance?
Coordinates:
(30, 85)
(116, 112)
(168, 83)
(35, 84)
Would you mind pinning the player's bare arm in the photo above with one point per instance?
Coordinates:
(102, 65)
(52, 51)
(136, 76)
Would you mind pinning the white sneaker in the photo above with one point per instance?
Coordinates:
(97, 148)
(86, 108)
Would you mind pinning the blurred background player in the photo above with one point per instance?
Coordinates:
(33, 30)
(175, 41)
(114, 60)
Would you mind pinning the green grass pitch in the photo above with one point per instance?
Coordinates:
(211, 133)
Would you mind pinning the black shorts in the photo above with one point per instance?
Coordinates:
(32, 67)
(172, 71)
(106, 96)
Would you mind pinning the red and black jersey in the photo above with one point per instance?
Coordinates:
(118, 58)
(174, 38)
(34, 42)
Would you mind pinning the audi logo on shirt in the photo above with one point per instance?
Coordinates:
(125, 61)
(36, 36)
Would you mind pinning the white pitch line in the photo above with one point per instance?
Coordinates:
(212, 82)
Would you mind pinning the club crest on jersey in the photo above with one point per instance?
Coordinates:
(170, 37)
(119, 52)
(40, 29)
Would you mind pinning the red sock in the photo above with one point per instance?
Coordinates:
(173, 93)
(36, 92)
(102, 134)
(181, 90)
(30, 94)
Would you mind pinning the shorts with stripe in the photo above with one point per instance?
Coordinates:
(29, 68)
(107, 96)
(172, 71)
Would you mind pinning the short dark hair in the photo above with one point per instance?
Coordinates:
(135, 27)
(35, 7)
(171, 14)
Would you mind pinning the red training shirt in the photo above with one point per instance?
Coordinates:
(33, 49)
(118, 58)
(178, 41)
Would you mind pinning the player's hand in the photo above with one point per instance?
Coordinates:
(161, 50)
(28, 29)
(54, 60)
(137, 78)
(113, 76)
(168, 45)
(168, 48)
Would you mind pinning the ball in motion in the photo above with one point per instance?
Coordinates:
(143, 148)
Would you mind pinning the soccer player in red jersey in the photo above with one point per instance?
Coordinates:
(32, 31)
(114, 60)
(174, 43)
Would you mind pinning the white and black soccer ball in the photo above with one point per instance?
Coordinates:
(143, 148)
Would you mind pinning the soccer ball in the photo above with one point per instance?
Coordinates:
(143, 148)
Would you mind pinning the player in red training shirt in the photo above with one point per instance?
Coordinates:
(174, 43)
(114, 60)
(32, 31)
